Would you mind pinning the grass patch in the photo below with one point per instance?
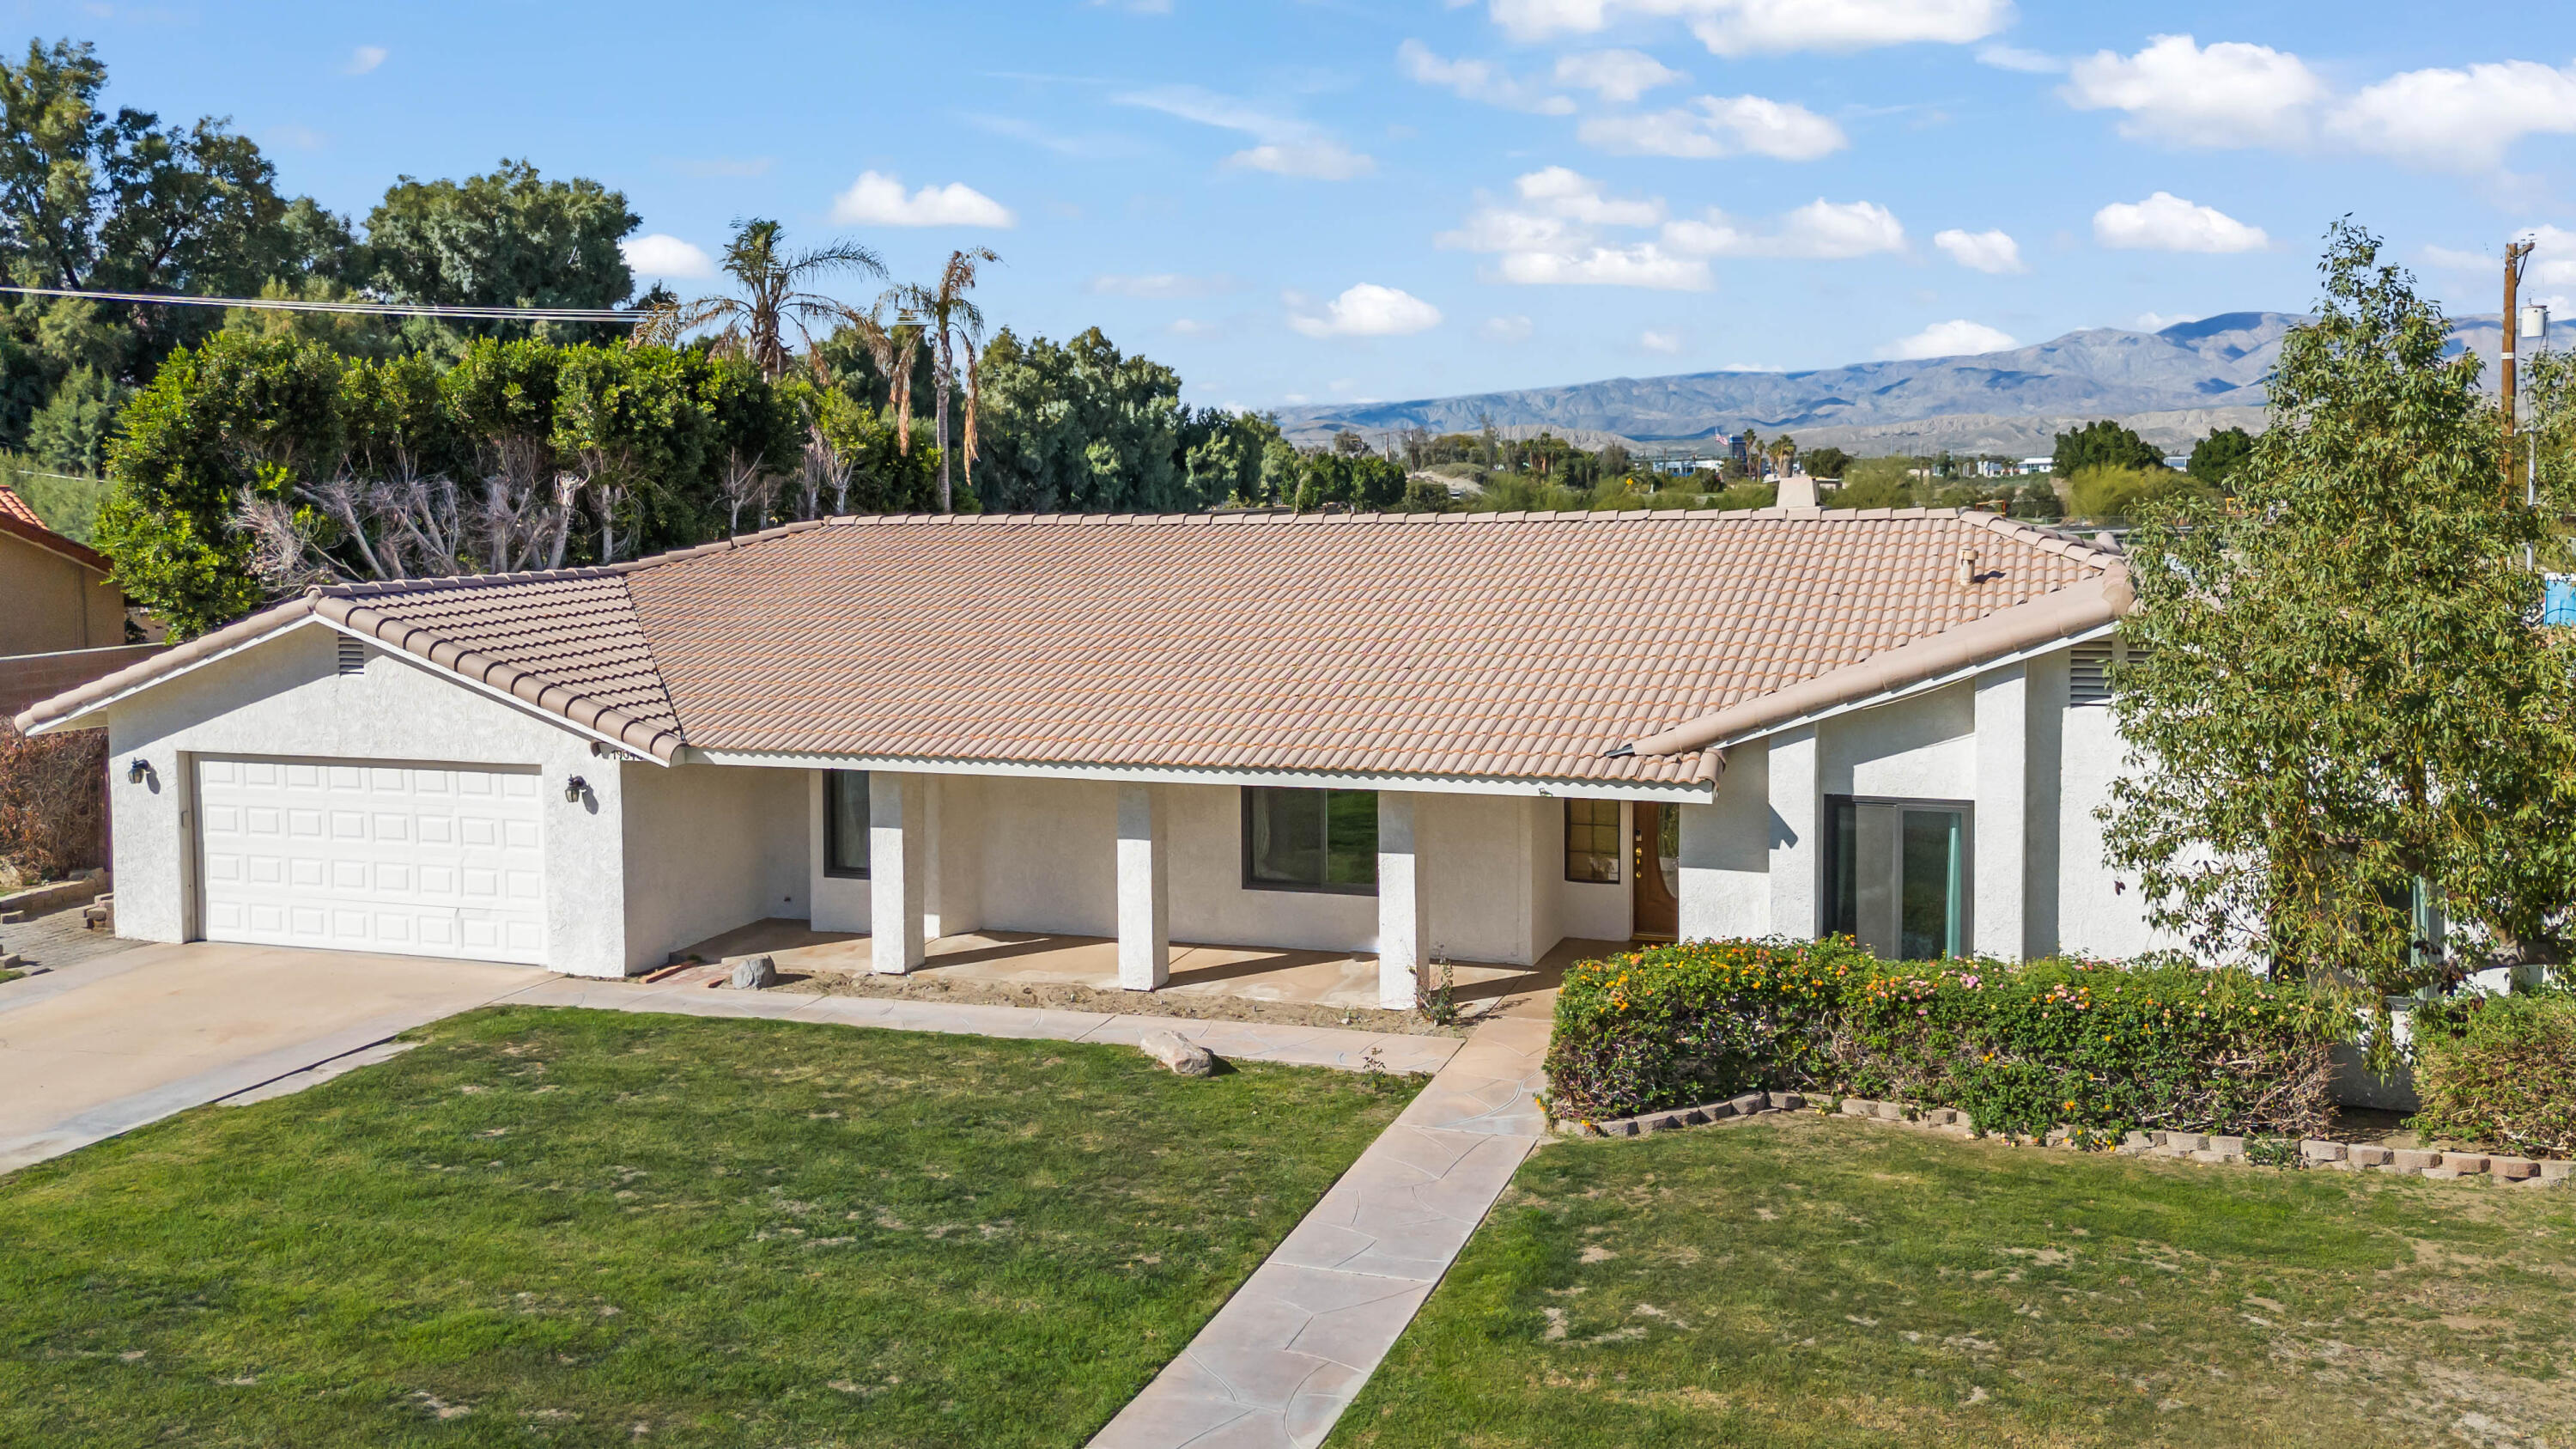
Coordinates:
(572, 1227)
(1815, 1282)
(8, 976)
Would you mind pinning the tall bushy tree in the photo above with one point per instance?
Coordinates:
(2103, 444)
(508, 238)
(1082, 427)
(2337, 695)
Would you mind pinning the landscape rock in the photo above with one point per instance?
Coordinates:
(753, 973)
(1185, 1058)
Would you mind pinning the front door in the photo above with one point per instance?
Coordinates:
(1655, 864)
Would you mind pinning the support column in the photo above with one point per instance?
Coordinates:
(1797, 839)
(1403, 905)
(898, 869)
(1999, 858)
(1144, 888)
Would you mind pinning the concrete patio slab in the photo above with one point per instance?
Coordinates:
(106, 1046)
(1289, 1351)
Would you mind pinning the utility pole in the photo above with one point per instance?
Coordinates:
(2515, 254)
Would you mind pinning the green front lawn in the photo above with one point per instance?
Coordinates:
(1796, 1282)
(571, 1227)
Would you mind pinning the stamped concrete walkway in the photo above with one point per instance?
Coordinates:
(1284, 1357)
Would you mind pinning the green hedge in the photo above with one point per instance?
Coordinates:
(2020, 1048)
(2499, 1071)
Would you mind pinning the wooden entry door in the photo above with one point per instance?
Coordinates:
(1654, 864)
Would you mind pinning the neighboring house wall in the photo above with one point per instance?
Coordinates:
(2100, 912)
(54, 603)
(285, 697)
(708, 848)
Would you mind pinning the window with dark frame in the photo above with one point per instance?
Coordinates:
(1310, 840)
(1592, 845)
(845, 823)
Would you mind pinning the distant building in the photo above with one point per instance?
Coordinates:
(2178, 461)
(2038, 465)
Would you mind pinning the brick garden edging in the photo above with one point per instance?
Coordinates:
(2182, 1146)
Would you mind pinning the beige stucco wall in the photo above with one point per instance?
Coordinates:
(285, 697)
(708, 848)
(53, 603)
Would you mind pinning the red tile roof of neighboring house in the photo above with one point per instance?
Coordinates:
(1463, 645)
(20, 521)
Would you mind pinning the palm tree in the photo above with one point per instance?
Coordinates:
(892, 347)
(772, 280)
(946, 313)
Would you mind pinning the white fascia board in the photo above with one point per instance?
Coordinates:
(156, 681)
(1692, 794)
(1920, 686)
(437, 671)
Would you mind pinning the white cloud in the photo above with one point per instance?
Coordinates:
(2013, 57)
(1958, 337)
(1365, 310)
(2552, 264)
(2228, 95)
(2165, 222)
(1158, 285)
(1548, 239)
(1719, 126)
(666, 257)
(1664, 342)
(1312, 160)
(1577, 197)
(1616, 76)
(1643, 264)
(1737, 27)
(1478, 80)
(364, 59)
(2459, 120)
(1983, 251)
(2159, 321)
(1289, 146)
(1820, 230)
(876, 199)
(1506, 330)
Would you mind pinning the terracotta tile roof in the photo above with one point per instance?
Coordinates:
(1481, 645)
(13, 506)
(20, 521)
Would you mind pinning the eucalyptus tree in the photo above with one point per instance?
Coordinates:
(774, 282)
(948, 316)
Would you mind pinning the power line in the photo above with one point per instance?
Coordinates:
(380, 309)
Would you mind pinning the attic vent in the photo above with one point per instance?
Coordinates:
(2088, 674)
(353, 656)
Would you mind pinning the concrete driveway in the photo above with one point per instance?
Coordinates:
(110, 1044)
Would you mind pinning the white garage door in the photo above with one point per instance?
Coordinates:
(372, 857)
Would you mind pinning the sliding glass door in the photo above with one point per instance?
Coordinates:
(1897, 875)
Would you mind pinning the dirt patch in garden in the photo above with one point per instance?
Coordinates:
(1060, 997)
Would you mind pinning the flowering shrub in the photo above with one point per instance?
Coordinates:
(2500, 1071)
(2098, 1048)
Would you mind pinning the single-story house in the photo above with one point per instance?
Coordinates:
(1419, 736)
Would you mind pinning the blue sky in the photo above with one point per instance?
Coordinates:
(1335, 201)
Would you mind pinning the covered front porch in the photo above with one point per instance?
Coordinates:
(1005, 959)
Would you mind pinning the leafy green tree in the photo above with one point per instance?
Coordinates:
(70, 432)
(242, 415)
(2335, 690)
(1827, 462)
(2103, 444)
(2216, 458)
(508, 238)
(628, 425)
(1084, 428)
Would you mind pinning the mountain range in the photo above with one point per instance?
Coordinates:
(2174, 386)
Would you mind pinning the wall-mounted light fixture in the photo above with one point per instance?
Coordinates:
(574, 789)
(137, 769)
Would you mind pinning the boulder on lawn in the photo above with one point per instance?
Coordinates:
(754, 973)
(1185, 1058)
